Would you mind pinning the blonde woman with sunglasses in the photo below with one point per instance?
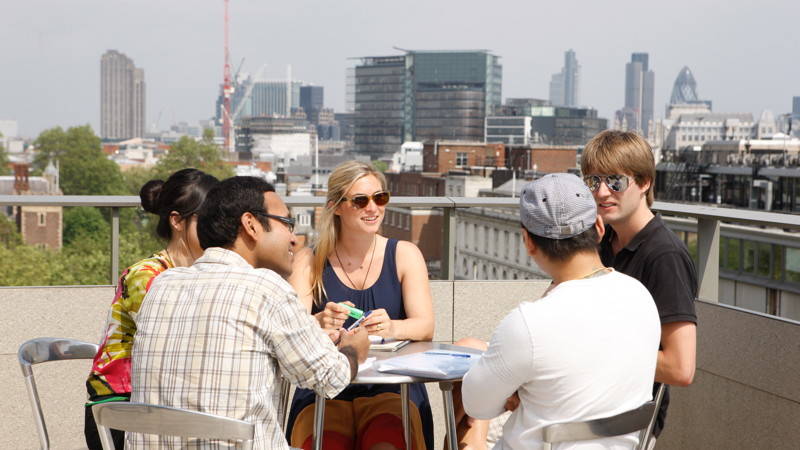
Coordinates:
(353, 264)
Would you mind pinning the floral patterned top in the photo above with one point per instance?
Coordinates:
(111, 368)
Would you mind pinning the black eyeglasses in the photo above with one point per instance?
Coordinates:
(362, 200)
(615, 183)
(288, 221)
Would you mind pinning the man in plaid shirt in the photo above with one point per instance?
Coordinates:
(214, 337)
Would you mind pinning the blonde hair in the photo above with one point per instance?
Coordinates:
(613, 151)
(328, 226)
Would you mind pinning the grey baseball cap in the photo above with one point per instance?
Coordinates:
(557, 206)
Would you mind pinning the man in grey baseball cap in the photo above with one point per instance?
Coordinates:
(586, 349)
(557, 206)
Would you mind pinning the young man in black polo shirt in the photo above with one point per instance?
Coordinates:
(620, 171)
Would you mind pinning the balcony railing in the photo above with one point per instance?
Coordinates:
(706, 220)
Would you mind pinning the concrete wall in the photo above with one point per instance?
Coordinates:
(746, 392)
(745, 395)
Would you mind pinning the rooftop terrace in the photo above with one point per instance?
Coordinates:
(745, 393)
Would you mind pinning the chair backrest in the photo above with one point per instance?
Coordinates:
(167, 421)
(624, 423)
(40, 350)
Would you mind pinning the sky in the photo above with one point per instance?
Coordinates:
(745, 55)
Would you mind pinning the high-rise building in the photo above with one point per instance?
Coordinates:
(274, 98)
(424, 95)
(311, 98)
(350, 90)
(796, 105)
(637, 114)
(564, 85)
(122, 97)
(684, 90)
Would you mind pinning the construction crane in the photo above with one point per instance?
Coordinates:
(227, 91)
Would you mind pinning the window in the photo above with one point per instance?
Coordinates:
(304, 220)
(42, 219)
(461, 158)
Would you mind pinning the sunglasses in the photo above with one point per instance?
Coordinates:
(615, 183)
(288, 221)
(362, 200)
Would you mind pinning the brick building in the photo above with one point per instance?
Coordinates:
(422, 226)
(443, 156)
(39, 225)
(543, 158)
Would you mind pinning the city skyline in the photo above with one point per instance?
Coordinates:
(182, 53)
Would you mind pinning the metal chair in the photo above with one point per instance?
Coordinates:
(647, 433)
(628, 422)
(283, 406)
(40, 350)
(166, 421)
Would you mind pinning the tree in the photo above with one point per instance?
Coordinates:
(84, 169)
(9, 236)
(188, 153)
(380, 166)
(4, 169)
(84, 223)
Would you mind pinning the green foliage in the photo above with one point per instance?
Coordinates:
(4, 168)
(84, 223)
(187, 152)
(380, 166)
(9, 236)
(84, 169)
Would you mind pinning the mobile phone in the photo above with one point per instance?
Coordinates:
(358, 322)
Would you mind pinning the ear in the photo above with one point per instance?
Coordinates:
(336, 208)
(176, 222)
(600, 227)
(645, 187)
(529, 244)
(250, 226)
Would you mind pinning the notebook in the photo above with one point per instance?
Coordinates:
(388, 346)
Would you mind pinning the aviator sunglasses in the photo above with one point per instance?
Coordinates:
(615, 183)
(362, 200)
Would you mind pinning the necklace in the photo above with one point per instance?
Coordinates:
(335, 251)
(591, 274)
(594, 272)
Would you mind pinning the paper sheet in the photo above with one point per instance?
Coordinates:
(366, 364)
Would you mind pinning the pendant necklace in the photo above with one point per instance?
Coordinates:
(336, 252)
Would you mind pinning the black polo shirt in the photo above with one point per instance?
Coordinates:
(660, 261)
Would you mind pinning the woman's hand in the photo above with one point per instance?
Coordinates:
(333, 316)
(379, 324)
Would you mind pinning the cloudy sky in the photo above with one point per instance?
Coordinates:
(745, 55)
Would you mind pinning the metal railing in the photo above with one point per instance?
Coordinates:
(708, 222)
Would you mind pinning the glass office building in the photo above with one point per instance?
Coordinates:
(424, 95)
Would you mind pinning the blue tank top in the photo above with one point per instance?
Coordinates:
(386, 293)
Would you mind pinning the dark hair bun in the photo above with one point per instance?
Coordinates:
(150, 194)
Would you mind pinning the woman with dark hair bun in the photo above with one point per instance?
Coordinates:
(176, 203)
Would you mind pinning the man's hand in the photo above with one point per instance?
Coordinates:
(358, 340)
(355, 345)
(335, 335)
(512, 402)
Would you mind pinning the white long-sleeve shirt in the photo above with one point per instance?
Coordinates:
(586, 350)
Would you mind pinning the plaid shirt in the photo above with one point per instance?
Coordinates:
(213, 337)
